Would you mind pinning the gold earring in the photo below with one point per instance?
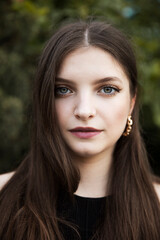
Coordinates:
(129, 126)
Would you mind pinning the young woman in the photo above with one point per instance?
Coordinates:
(87, 174)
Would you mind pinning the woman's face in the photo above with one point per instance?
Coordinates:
(92, 101)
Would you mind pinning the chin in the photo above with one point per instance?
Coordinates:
(85, 153)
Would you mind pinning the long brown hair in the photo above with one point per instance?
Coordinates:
(28, 202)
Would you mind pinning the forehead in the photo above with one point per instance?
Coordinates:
(90, 63)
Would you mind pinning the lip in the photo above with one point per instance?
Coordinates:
(85, 132)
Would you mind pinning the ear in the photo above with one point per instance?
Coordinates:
(133, 100)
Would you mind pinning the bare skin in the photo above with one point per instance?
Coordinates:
(81, 102)
(92, 90)
(94, 175)
(4, 178)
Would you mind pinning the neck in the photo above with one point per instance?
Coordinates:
(94, 172)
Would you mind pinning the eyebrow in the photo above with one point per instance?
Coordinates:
(103, 80)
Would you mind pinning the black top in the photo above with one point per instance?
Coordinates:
(84, 213)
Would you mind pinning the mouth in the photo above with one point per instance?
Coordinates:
(85, 132)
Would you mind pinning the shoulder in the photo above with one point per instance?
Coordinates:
(4, 178)
(157, 189)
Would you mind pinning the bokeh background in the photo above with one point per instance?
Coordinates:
(25, 26)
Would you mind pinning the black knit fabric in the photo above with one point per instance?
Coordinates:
(84, 214)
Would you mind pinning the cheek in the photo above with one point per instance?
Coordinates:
(116, 112)
(121, 112)
(62, 110)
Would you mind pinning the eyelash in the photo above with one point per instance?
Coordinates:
(60, 88)
(112, 88)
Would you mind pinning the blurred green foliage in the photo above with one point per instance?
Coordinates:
(24, 28)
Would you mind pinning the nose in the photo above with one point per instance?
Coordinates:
(84, 108)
